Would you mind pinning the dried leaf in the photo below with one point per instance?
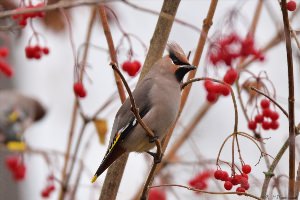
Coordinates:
(101, 127)
(247, 87)
(53, 19)
(8, 4)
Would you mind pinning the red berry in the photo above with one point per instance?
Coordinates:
(227, 185)
(246, 169)
(45, 193)
(291, 5)
(245, 175)
(218, 88)
(218, 174)
(79, 89)
(209, 86)
(6, 69)
(259, 118)
(274, 125)
(266, 125)
(224, 176)
(265, 103)
(235, 180)
(29, 52)
(12, 162)
(211, 97)
(247, 47)
(46, 50)
(267, 112)
(157, 194)
(37, 55)
(126, 65)
(50, 177)
(23, 22)
(134, 68)
(230, 76)
(20, 172)
(224, 90)
(200, 185)
(240, 189)
(37, 48)
(4, 52)
(252, 125)
(214, 58)
(245, 185)
(274, 115)
(51, 188)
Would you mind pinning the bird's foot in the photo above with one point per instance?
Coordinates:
(152, 139)
(157, 157)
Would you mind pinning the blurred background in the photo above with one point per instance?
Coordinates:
(50, 80)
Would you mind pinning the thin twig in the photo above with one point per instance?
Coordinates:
(115, 172)
(55, 6)
(208, 192)
(65, 175)
(191, 26)
(271, 99)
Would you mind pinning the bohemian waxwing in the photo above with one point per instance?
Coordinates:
(17, 112)
(157, 96)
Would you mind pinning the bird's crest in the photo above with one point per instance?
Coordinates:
(176, 54)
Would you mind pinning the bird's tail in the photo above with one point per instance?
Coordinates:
(108, 160)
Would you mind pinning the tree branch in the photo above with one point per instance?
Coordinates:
(289, 53)
(115, 171)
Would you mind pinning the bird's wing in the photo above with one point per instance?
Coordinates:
(125, 120)
(124, 124)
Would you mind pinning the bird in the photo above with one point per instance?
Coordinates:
(157, 97)
(17, 112)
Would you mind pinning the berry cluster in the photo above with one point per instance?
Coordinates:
(79, 90)
(22, 18)
(5, 68)
(131, 67)
(268, 118)
(240, 180)
(200, 181)
(17, 168)
(232, 47)
(291, 5)
(36, 52)
(156, 194)
(45, 193)
(214, 90)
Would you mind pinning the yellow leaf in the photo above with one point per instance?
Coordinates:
(16, 146)
(101, 127)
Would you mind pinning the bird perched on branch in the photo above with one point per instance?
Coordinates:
(157, 97)
(17, 112)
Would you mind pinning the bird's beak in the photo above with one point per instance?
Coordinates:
(181, 71)
(188, 67)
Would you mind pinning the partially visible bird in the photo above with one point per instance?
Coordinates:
(17, 112)
(157, 97)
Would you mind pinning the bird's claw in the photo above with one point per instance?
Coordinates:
(157, 157)
(152, 139)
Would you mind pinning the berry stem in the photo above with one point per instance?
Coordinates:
(271, 99)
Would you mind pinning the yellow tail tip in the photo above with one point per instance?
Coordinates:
(94, 179)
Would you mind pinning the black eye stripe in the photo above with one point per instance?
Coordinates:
(175, 60)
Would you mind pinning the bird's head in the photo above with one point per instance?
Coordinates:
(179, 62)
